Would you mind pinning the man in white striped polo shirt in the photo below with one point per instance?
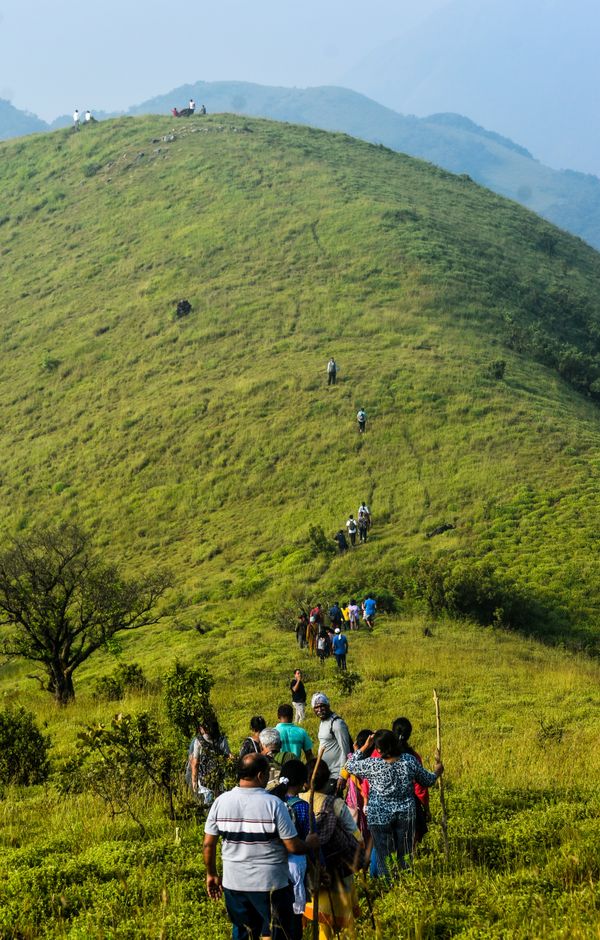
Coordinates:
(258, 834)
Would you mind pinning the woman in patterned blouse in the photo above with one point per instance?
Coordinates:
(391, 808)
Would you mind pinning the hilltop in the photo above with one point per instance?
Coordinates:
(212, 440)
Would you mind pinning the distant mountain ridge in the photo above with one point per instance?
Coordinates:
(569, 199)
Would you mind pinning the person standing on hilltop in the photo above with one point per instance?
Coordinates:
(76, 119)
(192, 105)
(361, 417)
(331, 371)
(298, 696)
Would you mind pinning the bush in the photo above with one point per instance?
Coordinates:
(129, 677)
(23, 748)
(187, 698)
(321, 545)
(347, 681)
(497, 369)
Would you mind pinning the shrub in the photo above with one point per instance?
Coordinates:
(129, 677)
(497, 369)
(347, 681)
(187, 698)
(321, 545)
(23, 748)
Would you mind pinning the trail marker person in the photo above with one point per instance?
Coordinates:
(258, 834)
(251, 744)
(293, 738)
(340, 648)
(369, 607)
(331, 371)
(298, 696)
(361, 417)
(334, 738)
(352, 529)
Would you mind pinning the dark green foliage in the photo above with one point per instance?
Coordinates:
(23, 748)
(128, 677)
(346, 682)
(187, 698)
(497, 369)
(321, 545)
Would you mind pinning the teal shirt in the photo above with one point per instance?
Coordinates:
(293, 738)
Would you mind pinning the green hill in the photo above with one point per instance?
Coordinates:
(211, 443)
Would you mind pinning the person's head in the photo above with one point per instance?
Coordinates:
(387, 744)
(270, 740)
(297, 674)
(285, 713)
(353, 603)
(257, 724)
(321, 777)
(210, 728)
(402, 728)
(320, 705)
(361, 739)
(292, 780)
(337, 630)
(253, 770)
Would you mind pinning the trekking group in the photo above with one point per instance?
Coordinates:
(297, 832)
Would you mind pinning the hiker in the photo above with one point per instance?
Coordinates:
(369, 605)
(323, 645)
(76, 119)
(402, 728)
(342, 853)
(331, 371)
(354, 611)
(258, 835)
(346, 615)
(299, 810)
(357, 789)
(334, 738)
(251, 744)
(336, 616)
(361, 417)
(363, 510)
(391, 809)
(202, 110)
(174, 112)
(317, 613)
(339, 646)
(352, 529)
(301, 626)
(270, 742)
(363, 528)
(312, 632)
(342, 542)
(298, 696)
(205, 772)
(87, 117)
(192, 105)
(293, 738)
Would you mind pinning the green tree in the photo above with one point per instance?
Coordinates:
(59, 603)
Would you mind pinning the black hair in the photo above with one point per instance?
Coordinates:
(285, 711)
(321, 776)
(388, 744)
(402, 728)
(361, 739)
(251, 765)
(211, 727)
(257, 723)
(295, 773)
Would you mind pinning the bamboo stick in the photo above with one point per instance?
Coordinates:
(440, 781)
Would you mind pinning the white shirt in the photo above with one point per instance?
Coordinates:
(192, 104)
(88, 115)
(76, 116)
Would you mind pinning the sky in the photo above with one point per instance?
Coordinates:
(56, 56)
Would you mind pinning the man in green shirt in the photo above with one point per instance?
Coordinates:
(293, 737)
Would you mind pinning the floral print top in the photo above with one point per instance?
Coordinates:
(391, 785)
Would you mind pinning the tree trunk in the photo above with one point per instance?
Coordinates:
(64, 691)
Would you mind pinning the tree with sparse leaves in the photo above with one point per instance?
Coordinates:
(59, 603)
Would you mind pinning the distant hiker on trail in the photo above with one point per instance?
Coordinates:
(361, 417)
(192, 105)
(331, 371)
(340, 648)
(298, 696)
(293, 738)
(354, 612)
(205, 772)
(342, 542)
(317, 613)
(174, 112)
(88, 117)
(369, 606)
(363, 528)
(251, 744)
(402, 728)
(364, 511)
(346, 615)
(336, 616)
(334, 738)
(76, 119)
(323, 645)
(352, 529)
(202, 110)
(312, 631)
(301, 627)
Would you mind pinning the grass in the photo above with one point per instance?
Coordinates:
(211, 444)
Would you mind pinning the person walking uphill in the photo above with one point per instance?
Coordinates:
(331, 371)
(293, 738)
(339, 645)
(258, 835)
(361, 418)
(334, 738)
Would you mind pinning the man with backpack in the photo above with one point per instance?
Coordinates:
(336, 616)
(352, 529)
(331, 371)
(339, 645)
(334, 739)
(361, 418)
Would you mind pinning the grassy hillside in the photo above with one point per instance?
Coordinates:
(211, 443)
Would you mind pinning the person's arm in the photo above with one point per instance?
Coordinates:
(194, 771)
(296, 684)
(214, 887)
(425, 777)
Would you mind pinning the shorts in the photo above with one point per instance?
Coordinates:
(256, 914)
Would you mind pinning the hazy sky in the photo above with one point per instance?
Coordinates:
(55, 56)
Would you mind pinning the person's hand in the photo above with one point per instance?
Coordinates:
(339, 787)
(214, 887)
(368, 743)
(438, 767)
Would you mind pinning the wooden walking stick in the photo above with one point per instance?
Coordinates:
(311, 827)
(440, 781)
